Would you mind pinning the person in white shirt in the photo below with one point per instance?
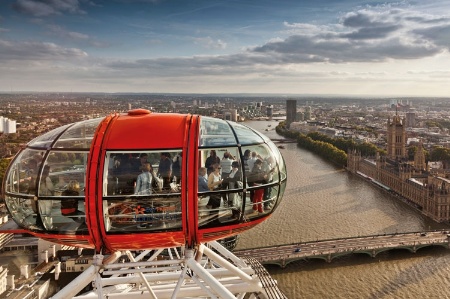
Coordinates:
(214, 184)
(144, 180)
(225, 163)
(234, 181)
(251, 161)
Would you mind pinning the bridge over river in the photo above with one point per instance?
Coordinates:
(329, 249)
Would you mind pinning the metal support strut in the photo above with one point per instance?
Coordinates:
(207, 271)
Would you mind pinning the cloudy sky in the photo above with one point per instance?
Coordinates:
(315, 47)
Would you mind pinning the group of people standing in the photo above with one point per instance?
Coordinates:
(220, 174)
(169, 170)
(226, 173)
(259, 171)
(144, 179)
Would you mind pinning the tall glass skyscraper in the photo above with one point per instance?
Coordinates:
(291, 111)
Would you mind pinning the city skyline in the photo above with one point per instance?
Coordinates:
(368, 48)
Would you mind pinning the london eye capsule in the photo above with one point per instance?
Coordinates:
(142, 180)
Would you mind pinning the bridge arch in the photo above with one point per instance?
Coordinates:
(446, 246)
(407, 248)
(330, 249)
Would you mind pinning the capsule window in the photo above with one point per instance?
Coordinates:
(142, 190)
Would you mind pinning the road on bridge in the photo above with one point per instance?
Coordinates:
(279, 254)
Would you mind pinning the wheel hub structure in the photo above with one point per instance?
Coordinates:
(209, 271)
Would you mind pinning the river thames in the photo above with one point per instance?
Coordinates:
(325, 202)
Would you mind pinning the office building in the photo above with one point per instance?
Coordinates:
(291, 111)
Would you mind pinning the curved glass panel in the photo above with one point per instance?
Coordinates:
(260, 174)
(283, 170)
(60, 168)
(276, 152)
(64, 214)
(221, 177)
(142, 190)
(266, 162)
(280, 160)
(79, 135)
(23, 210)
(282, 189)
(266, 139)
(45, 184)
(270, 198)
(245, 135)
(63, 178)
(46, 140)
(215, 132)
(222, 199)
(23, 173)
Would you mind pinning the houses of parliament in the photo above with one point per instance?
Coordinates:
(428, 189)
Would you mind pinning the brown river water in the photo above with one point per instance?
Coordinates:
(325, 202)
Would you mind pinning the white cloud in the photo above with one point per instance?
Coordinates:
(75, 37)
(45, 8)
(306, 29)
(210, 43)
(364, 35)
(360, 36)
(12, 52)
(367, 48)
(62, 32)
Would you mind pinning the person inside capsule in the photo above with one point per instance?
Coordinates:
(124, 210)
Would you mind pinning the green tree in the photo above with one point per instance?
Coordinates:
(431, 124)
(4, 163)
(440, 153)
(412, 150)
